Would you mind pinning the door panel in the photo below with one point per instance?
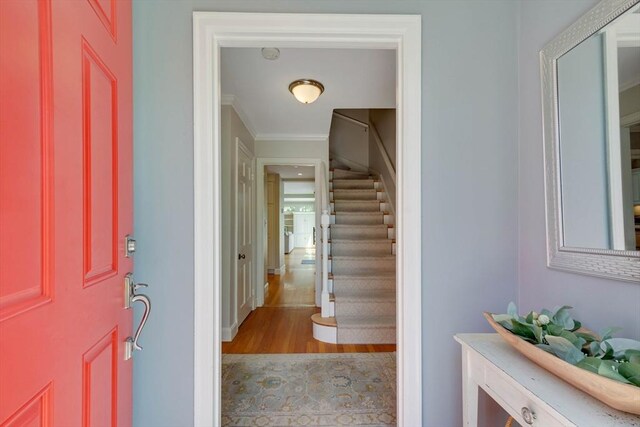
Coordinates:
(25, 37)
(65, 208)
(244, 231)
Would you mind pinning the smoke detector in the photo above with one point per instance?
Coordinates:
(270, 53)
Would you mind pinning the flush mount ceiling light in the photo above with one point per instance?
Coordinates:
(306, 90)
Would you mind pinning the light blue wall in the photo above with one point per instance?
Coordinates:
(469, 181)
(598, 303)
(583, 146)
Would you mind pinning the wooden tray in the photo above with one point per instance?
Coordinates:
(623, 397)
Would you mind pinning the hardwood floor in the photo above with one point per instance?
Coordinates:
(295, 288)
(287, 330)
(284, 325)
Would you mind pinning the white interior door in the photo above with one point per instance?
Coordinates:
(303, 224)
(244, 231)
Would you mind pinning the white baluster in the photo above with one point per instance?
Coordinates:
(326, 303)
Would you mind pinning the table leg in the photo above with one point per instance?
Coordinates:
(469, 393)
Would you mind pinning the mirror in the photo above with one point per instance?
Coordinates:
(591, 101)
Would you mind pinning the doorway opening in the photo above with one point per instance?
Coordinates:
(215, 30)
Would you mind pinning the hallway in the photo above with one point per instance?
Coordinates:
(283, 325)
(294, 288)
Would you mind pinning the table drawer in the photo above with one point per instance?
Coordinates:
(515, 401)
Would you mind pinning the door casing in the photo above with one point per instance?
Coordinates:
(213, 30)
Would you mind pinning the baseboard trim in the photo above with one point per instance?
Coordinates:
(229, 333)
(277, 271)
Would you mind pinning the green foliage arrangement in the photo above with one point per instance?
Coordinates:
(559, 334)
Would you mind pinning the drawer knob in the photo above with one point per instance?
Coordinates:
(527, 415)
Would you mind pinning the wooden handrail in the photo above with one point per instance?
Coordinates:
(383, 152)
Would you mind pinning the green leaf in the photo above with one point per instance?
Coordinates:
(507, 324)
(606, 351)
(558, 331)
(594, 348)
(576, 325)
(554, 329)
(564, 349)
(512, 310)
(501, 317)
(608, 368)
(632, 356)
(546, 347)
(586, 336)
(563, 318)
(608, 333)
(631, 371)
(590, 364)
(529, 318)
(537, 331)
(547, 313)
(621, 345)
(523, 330)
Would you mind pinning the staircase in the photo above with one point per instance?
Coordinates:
(360, 305)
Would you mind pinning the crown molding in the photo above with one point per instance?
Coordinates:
(232, 101)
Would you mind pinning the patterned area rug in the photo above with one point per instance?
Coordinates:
(344, 389)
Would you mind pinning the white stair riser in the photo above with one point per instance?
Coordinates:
(327, 334)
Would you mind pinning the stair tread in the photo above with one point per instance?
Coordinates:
(365, 321)
(364, 295)
(360, 225)
(362, 258)
(348, 179)
(378, 213)
(381, 275)
(324, 321)
(356, 190)
(360, 241)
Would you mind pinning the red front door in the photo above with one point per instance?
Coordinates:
(65, 208)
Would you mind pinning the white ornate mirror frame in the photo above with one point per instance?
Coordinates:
(612, 264)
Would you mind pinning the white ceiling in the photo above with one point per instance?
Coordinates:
(258, 88)
(292, 172)
(628, 66)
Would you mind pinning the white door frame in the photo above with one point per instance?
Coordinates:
(213, 30)
(261, 162)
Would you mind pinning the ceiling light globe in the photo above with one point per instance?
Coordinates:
(306, 91)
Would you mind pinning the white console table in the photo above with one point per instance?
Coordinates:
(530, 394)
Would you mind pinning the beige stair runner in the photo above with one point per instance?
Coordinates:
(362, 262)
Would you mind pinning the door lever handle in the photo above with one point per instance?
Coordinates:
(131, 343)
(130, 288)
(241, 256)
